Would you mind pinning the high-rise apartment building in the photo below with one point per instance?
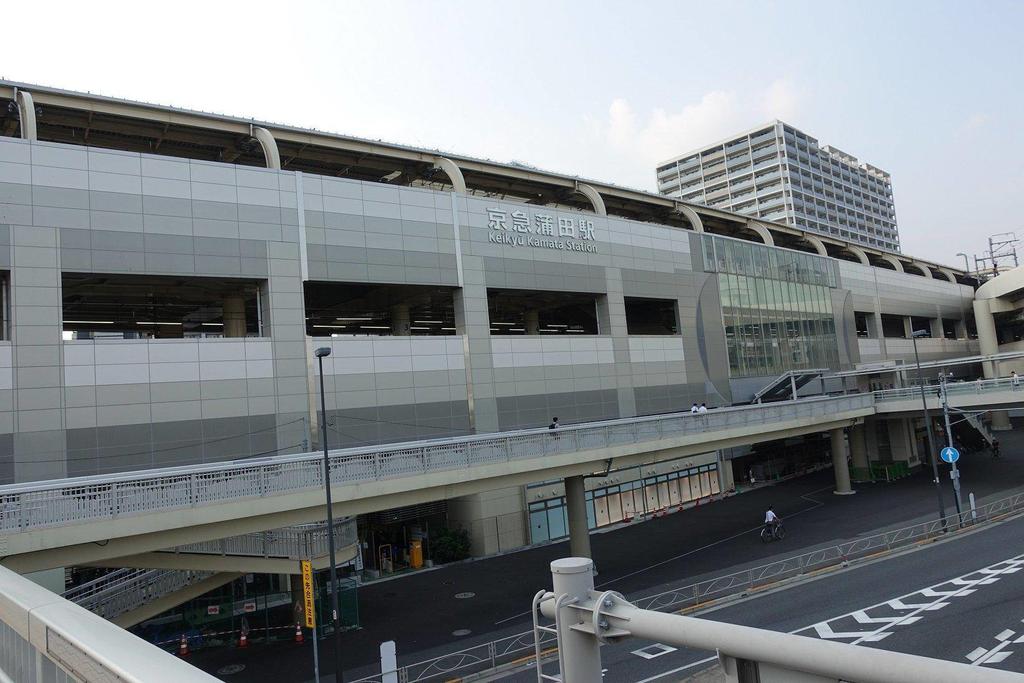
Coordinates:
(779, 173)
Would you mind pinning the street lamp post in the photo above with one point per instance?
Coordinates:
(914, 334)
(954, 472)
(335, 613)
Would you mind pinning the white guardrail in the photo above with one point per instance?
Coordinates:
(981, 386)
(36, 505)
(43, 636)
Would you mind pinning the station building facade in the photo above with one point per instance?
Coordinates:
(168, 274)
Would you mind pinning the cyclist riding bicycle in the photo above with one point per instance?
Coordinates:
(771, 520)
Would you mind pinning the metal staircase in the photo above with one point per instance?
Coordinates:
(123, 590)
(974, 419)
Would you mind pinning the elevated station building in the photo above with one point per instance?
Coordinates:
(167, 275)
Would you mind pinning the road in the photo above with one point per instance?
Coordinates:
(421, 614)
(960, 600)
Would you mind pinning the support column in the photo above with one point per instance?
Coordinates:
(908, 327)
(938, 329)
(532, 317)
(858, 446)
(988, 343)
(401, 324)
(234, 316)
(576, 506)
(842, 470)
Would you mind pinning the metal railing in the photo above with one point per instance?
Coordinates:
(126, 589)
(981, 386)
(298, 542)
(122, 590)
(504, 650)
(36, 505)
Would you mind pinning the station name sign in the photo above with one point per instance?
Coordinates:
(517, 228)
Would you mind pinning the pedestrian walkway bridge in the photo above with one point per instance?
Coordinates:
(90, 520)
(124, 519)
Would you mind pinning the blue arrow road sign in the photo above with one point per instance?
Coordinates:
(949, 454)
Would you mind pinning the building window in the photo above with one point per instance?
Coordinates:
(651, 316)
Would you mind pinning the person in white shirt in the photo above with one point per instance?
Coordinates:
(1015, 378)
(771, 520)
(702, 410)
(693, 409)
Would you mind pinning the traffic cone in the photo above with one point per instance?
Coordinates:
(183, 646)
(298, 633)
(243, 640)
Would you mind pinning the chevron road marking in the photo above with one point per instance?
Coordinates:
(980, 656)
(911, 607)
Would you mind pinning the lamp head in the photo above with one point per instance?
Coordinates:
(323, 351)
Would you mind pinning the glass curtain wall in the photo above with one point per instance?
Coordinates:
(776, 307)
(613, 504)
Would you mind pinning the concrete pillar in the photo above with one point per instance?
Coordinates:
(532, 319)
(400, 320)
(908, 327)
(988, 343)
(961, 329)
(234, 316)
(858, 446)
(937, 328)
(576, 506)
(842, 470)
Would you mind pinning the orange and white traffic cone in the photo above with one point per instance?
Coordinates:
(183, 646)
(243, 640)
(298, 633)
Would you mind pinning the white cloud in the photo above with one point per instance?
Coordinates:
(627, 145)
(977, 120)
(781, 100)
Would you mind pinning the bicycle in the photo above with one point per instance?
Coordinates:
(772, 532)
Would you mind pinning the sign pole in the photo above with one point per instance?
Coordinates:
(953, 473)
(309, 611)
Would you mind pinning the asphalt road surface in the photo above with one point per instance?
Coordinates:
(420, 611)
(960, 600)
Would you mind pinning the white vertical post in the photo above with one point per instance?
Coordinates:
(388, 662)
(573, 577)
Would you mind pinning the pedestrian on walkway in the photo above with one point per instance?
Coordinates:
(995, 448)
(1015, 379)
(554, 423)
(693, 409)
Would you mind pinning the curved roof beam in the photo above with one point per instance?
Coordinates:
(925, 270)
(26, 115)
(269, 145)
(893, 261)
(948, 273)
(594, 196)
(454, 173)
(690, 215)
(859, 253)
(765, 234)
(818, 245)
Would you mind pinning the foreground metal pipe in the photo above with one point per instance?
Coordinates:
(591, 617)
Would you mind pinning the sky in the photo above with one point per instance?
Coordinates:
(930, 91)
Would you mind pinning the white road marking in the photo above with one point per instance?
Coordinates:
(653, 651)
(914, 604)
(980, 656)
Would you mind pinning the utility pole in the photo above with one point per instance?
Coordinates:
(954, 472)
(928, 426)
